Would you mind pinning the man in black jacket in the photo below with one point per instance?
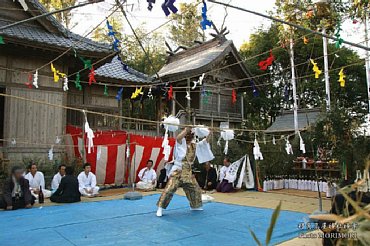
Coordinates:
(67, 191)
(16, 193)
(208, 177)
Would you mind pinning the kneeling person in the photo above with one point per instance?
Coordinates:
(68, 189)
(148, 177)
(87, 182)
(16, 192)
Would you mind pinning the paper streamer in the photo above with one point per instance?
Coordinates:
(315, 69)
(288, 147)
(257, 151)
(188, 96)
(78, 82)
(233, 96)
(227, 135)
(90, 135)
(36, 79)
(264, 64)
(50, 153)
(198, 82)
(169, 5)
(65, 84)
(170, 93)
(92, 76)
(119, 94)
(138, 91)
(342, 77)
(150, 95)
(205, 22)
(200, 131)
(171, 123)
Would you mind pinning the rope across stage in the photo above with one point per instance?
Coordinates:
(128, 118)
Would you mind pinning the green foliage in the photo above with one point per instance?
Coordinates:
(63, 17)
(101, 33)
(261, 111)
(132, 53)
(185, 26)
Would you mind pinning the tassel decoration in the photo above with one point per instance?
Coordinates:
(36, 79)
(233, 96)
(315, 69)
(78, 82)
(266, 63)
(29, 82)
(119, 94)
(137, 93)
(170, 93)
(205, 22)
(257, 151)
(106, 90)
(199, 81)
(169, 5)
(65, 83)
(341, 79)
(92, 76)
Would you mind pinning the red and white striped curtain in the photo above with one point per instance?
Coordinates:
(108, 158)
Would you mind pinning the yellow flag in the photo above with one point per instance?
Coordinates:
(137, 93)
(316, 69)
(341, 78)
(56, 73)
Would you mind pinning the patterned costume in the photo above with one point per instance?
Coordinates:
(185, 179)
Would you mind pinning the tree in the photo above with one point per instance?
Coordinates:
(186, 28)
(101, 33)
(63, 17)
(310, 91)
(131, 52)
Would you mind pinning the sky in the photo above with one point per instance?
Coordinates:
(240, 24)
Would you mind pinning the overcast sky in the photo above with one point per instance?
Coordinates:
(240, 24)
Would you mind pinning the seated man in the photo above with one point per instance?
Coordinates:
(225, 185)
(58, 177)
(16, 192)
(68, 189)
(208, 177)
(36, 180)
(87, 182)
(148, 177)
(164, 175)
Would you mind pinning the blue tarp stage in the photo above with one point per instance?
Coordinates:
(123, 222)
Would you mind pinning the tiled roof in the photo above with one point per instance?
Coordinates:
(285, 122)
(64, 39)
(114, 70)
(189, 60)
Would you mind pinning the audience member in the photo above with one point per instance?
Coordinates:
(68, 189)
(225, 185)
(87, 182)
(208, 177)
(148, 177)
(16, 192)
(36, 180)
(58, 177)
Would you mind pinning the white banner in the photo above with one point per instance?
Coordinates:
(248, 179)
(245, 175)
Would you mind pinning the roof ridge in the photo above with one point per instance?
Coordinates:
(67, 33)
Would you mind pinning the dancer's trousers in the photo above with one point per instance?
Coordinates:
(187, 181)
